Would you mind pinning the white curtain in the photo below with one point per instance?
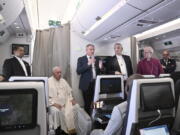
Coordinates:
(52, 48)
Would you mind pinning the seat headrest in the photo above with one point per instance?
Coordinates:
(155, 96)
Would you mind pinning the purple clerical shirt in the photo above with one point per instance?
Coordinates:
(151, 67)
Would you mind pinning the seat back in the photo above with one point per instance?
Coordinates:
(31, 110)
(83, 122)
(31, 79)
(175, 76)
(109, 89)
(108, 81)
(177, 92)
(151, 103)
(148, 76)
(164, 75)
(176, 126)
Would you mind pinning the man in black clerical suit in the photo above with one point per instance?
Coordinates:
(88, 67)
(16, 66)
(120, 64)
(168, 64)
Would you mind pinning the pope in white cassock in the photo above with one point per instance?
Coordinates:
(61, 102)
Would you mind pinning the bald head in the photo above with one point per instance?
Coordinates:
(165, 54)
(118, 48)
(57, 72)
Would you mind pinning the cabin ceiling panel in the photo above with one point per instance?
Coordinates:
(91, 9)
(147, 20)
(122, 16)
(144, 4)
(10, 9)
(20, 25)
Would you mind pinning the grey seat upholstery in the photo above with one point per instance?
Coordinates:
(41, 124)
(140, 113)
(83, 122)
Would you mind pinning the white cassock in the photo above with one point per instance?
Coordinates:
(61, 93)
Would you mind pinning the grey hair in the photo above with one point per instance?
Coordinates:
(89, 45)
(118, 44)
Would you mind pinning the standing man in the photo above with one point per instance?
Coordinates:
(149, 65)
(16, 66)
(88, 67)
(120, 64)
(168, 64)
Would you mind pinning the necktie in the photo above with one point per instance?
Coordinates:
(93, 69)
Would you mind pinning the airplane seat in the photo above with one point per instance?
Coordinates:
(83, 122)
(164, 75)
(148, 76)
(176, 126)
(175, 76)
(151, 107)
(109, 91)
(177, 92)
(22, 105)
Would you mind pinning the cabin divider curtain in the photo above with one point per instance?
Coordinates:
(52, 48)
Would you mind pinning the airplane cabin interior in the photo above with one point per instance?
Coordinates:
(89, 67)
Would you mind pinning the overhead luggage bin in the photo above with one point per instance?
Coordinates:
(121, 18)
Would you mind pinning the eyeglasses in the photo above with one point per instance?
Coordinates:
(147, 52)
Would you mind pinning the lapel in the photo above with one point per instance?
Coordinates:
(96, 62)
(19, 65)
(85, 59)
(125, 60)
(165, 62)
(116, 64)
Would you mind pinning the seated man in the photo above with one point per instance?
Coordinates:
(61, 102)
(115, 124)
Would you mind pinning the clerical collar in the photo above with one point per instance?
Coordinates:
(89, 56)
(119, 56)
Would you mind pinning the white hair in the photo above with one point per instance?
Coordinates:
(149, 48)
(55, 68)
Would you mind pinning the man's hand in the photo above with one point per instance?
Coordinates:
(100, 64)
(163, 66)
(118, 73)
(73, 102)
(58, 106)
(91, 61)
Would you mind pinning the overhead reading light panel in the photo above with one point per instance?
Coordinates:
(106, 16)
(2, 20)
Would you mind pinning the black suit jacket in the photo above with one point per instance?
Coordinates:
(170, 66)
(85, 71)
(12, 67)
(113, 65)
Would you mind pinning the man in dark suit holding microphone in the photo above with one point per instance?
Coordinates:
(88, 67)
